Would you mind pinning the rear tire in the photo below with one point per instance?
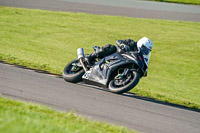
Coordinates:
(72, 76)
(135, 77)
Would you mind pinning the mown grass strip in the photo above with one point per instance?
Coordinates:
(21, 117)
(48, 40)
(192, 2)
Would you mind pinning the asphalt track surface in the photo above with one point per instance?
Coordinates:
(130, 8)
(135, 112)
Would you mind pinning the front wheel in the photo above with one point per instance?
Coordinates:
(73, 72)
(123, 84)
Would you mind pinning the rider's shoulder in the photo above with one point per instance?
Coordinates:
(129, 39)
(125, 41)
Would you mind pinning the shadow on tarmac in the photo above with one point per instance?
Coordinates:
(133, 95)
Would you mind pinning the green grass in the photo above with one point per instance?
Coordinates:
(20, 117)
(48, 40)
(193, 2)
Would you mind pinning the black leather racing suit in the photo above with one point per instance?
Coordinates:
(110, 49)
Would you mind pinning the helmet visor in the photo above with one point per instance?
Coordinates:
(146, 54)
(145, 50)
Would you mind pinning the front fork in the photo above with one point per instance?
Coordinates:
(123, 74)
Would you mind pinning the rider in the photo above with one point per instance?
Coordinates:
(144, 44)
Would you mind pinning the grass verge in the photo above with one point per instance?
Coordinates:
(48, 40)
(192, 2)
(21, 117)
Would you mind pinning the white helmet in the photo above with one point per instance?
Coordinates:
(145, 42)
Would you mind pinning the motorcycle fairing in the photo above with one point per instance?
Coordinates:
(137, 58)
(100, 73)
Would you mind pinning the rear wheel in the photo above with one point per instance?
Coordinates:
(72, 72)
(121, 84)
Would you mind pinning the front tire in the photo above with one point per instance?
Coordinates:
(71, 74)
(131, 81)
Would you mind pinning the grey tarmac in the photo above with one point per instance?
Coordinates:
(128, 110)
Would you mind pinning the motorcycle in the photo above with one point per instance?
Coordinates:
(118, 72)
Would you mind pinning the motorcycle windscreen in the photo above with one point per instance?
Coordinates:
(146, 54)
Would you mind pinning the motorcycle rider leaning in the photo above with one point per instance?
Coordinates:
(144, 45)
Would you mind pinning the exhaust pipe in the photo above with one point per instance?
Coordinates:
(80, 53)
